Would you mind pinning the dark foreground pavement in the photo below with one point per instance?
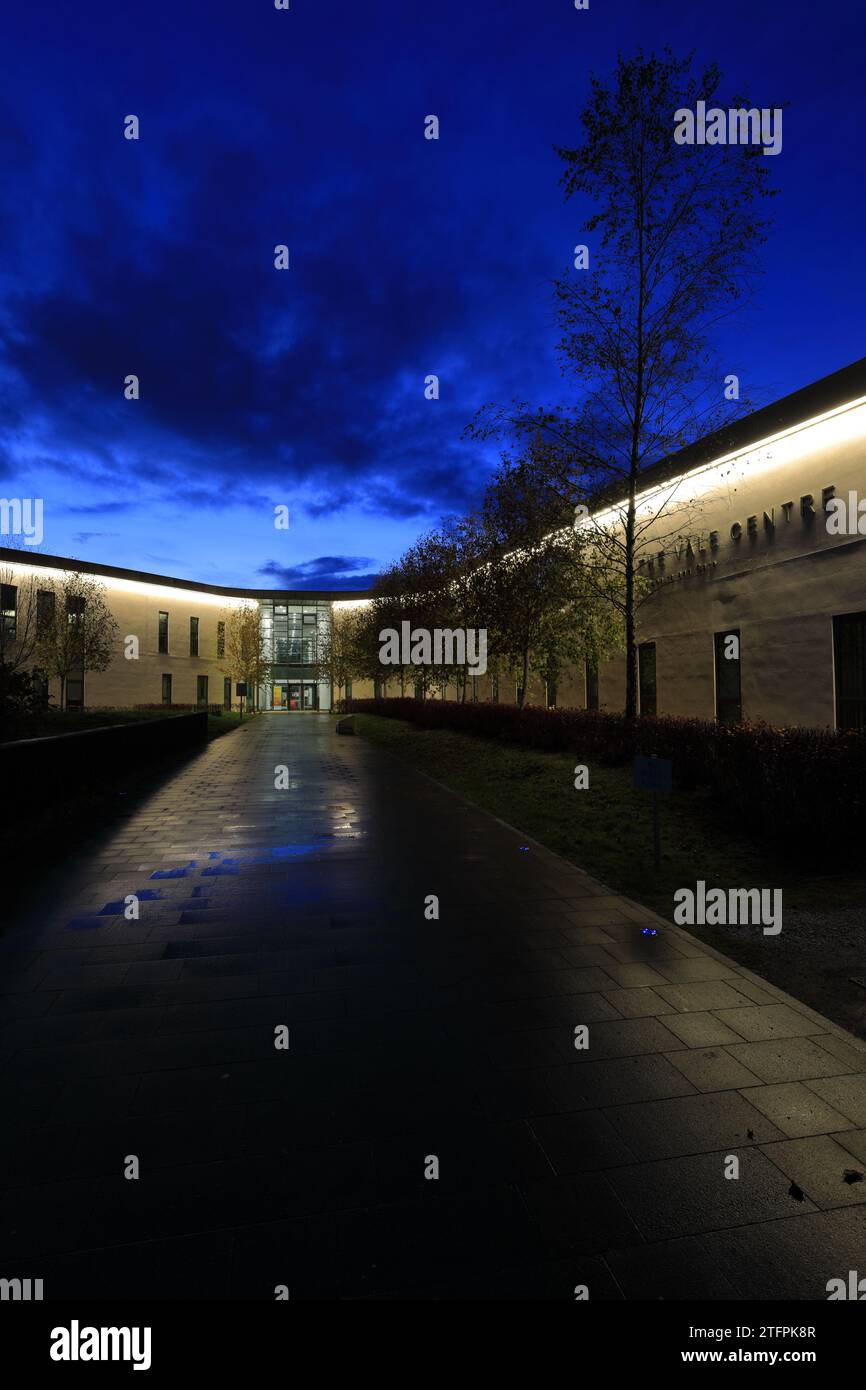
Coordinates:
(409, 1040)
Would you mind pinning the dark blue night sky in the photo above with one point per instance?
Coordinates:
(408, 257)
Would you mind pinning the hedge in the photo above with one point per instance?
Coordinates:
(794, 787)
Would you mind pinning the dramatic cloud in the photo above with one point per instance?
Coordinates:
(325, 572)
(408, 258)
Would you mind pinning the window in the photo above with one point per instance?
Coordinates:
(39, 682)
(348, 690)
(309, 619)
(646, 665)
(494, 689)
(729, 705)
(45, 601)
(162, 647)
(221, 639)
(201, 691)
(166, 689)
(75, 606)
(9, 607)
(193, 636)
(591, 685)
(849, 656)
(551, 694)
(227, 693)
(75, 694)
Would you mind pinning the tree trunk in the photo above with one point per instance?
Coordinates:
(524, 678)
(637, 427)
(630, 646)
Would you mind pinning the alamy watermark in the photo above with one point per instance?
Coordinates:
(440, 647)
(846, 518)
(736, 126)
(20, 1290)
(734, 907)
(22, 516)
(77, 1343)
(854, 1289)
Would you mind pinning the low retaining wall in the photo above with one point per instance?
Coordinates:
(33, 770)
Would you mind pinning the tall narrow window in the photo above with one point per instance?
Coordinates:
(849, 658)
(166, 689)
(40, 686)
(221, 639)
(729, 703)
(227, 693)
(591, 685)
(201, 691)
(193, 636)
(75, 693)
(646, 653)
(9, 607)
(551, 694)
(163, 634)
(45, 601)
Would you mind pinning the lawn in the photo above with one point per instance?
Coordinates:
(607, 830)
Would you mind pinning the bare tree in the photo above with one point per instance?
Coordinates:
(76, 631)
(246, 658)
(18, 619)
(671, 238)
(543, 612)
(340, 650)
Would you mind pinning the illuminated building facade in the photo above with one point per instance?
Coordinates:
(179, 629)
(753, 553)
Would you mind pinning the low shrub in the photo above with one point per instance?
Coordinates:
(794, 787)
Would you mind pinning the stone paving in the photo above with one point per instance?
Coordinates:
(409, 1039)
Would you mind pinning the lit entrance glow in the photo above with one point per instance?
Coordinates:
(295, 695)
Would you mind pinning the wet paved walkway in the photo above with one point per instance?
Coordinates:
(409, 1039)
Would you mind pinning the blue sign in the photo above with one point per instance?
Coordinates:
(653, 774)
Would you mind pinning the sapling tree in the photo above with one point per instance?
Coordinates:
(671, 233)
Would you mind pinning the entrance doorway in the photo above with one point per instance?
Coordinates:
(296, 695)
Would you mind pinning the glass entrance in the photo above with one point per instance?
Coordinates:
(295, 695)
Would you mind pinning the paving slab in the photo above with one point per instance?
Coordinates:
(339, 1040)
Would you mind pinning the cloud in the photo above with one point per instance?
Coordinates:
(325, 572)
(82, 537)
(99, 509)
(251, 380)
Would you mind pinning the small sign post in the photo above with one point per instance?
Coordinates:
(654, 775)
(240, 691)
